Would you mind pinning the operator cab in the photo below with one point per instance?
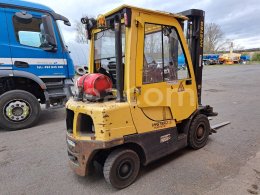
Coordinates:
(163, 60)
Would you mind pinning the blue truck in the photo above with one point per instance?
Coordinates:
(210, 59)
(35, 65)
(244, 59)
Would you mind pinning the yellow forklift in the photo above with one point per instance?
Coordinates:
(137, 105)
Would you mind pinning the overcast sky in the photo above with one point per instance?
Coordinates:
(239, 20)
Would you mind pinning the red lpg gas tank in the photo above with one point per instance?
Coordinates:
(94, 84)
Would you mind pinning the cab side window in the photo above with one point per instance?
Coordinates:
(164, 59)
(29, 33)
(153, 64)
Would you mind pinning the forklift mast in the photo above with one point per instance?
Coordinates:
(195, 40)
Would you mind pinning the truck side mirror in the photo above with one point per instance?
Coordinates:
(67, 23)
(62, 18)
(49, 33)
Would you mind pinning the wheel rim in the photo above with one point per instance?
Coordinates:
(17, 110)
(200, 132)
(125, 169)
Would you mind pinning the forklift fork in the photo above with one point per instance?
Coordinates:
(213, 129)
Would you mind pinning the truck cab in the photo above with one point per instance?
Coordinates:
(137, 105)
(35, 65)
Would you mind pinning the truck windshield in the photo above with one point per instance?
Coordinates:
(104, 51)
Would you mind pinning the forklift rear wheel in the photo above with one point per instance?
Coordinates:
(19, 109)
(199, 132)
(121, 168)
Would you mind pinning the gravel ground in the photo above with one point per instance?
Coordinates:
(34, 161)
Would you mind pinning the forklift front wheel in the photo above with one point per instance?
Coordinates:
(199, 132)
(121, 168)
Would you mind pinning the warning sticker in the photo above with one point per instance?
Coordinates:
(181, 87)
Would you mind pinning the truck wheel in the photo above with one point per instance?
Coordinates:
(19, 110)
(199, 132)
(121, 168)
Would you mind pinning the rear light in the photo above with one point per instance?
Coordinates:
(101, 21)
(127, 17)
(96, 85)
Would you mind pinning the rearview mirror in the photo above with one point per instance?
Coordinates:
(49, 33)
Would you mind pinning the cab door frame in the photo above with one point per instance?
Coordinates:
(179, 95)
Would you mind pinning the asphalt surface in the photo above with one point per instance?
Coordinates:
(34, 161)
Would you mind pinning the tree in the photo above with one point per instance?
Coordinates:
(256, 57)
(80, 32)
(213, 40)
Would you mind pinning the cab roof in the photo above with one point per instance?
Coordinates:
(146, 10)
(24, 4)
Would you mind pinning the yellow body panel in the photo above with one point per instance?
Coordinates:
(156, 118)
(111, 120)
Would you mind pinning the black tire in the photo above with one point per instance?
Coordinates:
(22, 97)
(199, 132)
(121, 168)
